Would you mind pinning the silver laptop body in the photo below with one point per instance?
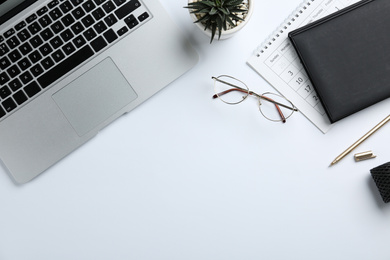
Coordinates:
(124, 60)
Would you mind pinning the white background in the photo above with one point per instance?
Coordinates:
(187, 177)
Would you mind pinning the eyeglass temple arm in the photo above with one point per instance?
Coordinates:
(228, 91)
(252, 93)
(273, 101)
(276, 105)
(237, 88)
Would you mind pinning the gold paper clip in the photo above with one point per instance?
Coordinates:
(364, 156)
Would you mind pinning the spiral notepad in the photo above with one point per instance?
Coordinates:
(278, 63)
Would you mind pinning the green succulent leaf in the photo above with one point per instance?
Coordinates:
(224, 10)
(216, 15)
(213, 30)
(213, 11)
(233, 2)
(229, 21)
(235, 17)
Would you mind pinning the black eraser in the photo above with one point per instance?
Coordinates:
(381, 176)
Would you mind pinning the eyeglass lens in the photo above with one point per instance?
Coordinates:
(230, 90)
(233, 91)
(270, 111)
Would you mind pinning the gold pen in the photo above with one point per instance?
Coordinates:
(358, 142)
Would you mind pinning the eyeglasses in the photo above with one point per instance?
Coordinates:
(233, 91)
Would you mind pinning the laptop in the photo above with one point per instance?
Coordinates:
(68, 68)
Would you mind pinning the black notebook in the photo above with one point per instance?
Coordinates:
(347, 57)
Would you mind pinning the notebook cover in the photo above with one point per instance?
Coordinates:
(347, 57)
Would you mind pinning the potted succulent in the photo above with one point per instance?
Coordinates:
(220, 17)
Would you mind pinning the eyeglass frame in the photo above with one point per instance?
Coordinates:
(250, 92)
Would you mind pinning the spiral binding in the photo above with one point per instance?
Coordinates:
(283, 27)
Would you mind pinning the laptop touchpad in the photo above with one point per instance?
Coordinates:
(95, 96)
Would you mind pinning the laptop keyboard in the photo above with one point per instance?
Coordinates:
(57, 38)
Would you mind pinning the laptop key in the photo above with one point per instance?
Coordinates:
(122, 31)
(77, 28)
(127, 8)
(25, 48)
(42, 11)
(15, 84)
(99, 2)
(9, 104)
(24, 64)
(2, 112)
(35, 56)
(67, 35)
(58, 56)
(20, 25)
(57, 27)
(46, 34)
(36, 41)
(56, 42)
(89, 6)
(4, 92)
(76, 2)
(31, 18)
(108, 7)
(55, 14)
(119, 2)
(89, 34)
(20, 97)
(143, 17)
(68, 48)
(65, 66)
(45, 49)
(3, 78)
(14, 56)
(32, 89)
(110, 36)
(87, 21)
(98, 44)
(131, 21)
(110, 20)
(98, 14)
(47, 63)
(4, 63)
(67, 19)
(13, 71)
(34, 28)
(79, 41)
(36, 70)
(24, 35)
(44, 21)
(3, 49)
(52, 4)
(9, 33)
(66, 7)
(13, 42)
(26, 77)
(100, 27)
(78, 13)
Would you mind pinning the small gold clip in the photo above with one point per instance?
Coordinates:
(364, 156)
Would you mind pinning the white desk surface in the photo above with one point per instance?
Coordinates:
(187, 177)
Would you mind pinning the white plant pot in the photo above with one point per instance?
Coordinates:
(228, 33)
